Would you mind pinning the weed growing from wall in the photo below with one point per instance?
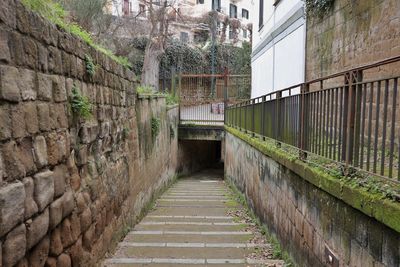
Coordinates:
(80, 104)
(90, 66)
(171, 99)
(155, 126)
(145, 90)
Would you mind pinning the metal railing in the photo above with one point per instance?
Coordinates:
(204, 97)
(351, 118)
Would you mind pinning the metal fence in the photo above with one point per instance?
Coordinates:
(203, 97)
(351, 118)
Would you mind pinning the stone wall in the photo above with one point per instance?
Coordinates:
(309, 222)
(353, 34)
(69, 187)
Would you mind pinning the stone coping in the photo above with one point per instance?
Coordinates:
(150, 96)
(172, 106)
(373, 205)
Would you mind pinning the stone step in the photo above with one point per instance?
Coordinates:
(192, 245)
(183, 252)
(190, 211)
(171, 238)
(196, 262)
(189, 227)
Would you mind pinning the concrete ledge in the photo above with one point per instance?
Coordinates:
(373, 205)
(200, 132)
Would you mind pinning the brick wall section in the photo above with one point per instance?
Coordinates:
(355, 33)
(305, 218)
(69, 187)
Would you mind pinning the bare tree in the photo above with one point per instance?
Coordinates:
(158, 16)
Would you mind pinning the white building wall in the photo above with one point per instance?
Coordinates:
(278, 58)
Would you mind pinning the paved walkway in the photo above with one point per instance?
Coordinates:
(190, 226)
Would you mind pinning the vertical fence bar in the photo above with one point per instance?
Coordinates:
(263, 118)
(385, 112)
(378, 101)
(253, 106)
(278, 118)
(305, 88)
(392, 130)
(355, 123)
(371, 101)
(346, 91)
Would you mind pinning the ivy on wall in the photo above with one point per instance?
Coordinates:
(318, 8)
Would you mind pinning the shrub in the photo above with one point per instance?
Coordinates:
(145, 90)
(171, 99)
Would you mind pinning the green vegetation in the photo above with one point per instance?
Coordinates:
(56, 14)
(277, 252)
(155, 126)
(171, 99)
(318, 8)
(145, 90)
(90, 66)
(80, 105)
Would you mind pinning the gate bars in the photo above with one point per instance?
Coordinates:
(351, 117)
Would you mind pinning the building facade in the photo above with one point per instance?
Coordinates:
(279, 33)
(189, 13)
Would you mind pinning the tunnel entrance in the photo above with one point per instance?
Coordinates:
(197, 155)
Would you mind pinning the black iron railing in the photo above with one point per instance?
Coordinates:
(352, 118)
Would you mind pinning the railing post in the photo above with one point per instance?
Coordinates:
(173, 81)
(278, 119)
(305, 88)
(263, 118)
(226, 73)
(253, 105)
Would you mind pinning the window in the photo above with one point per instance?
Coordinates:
(184, 37)
(245, 13)
(232, 11)
(261, 17)
(200, 2)
(244, 33)
(216, 5)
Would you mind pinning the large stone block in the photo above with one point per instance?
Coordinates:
(68, 203)
(42, 58)
(30, 205)
(7, 13)
(18, 121)
(5, 55)
(64, 260)
(56, 212)
(30, 52)
(12, 202)
(60, 176)
(37, 228)
(44, 189)
(51, 262)
(44, 117)
(56, 147)
(39, 254)
(59, 91)
(75, 226)
(56, 246)
(9, 89)
(86, 219)
(40, 150)
(45, 85)
(27, 84)
(31, 118)
(55, 61)
(76, 253)
(13, 166)
(5, 122)
(14, 246)
(66, 234)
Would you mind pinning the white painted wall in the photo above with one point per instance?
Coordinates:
(278, 59)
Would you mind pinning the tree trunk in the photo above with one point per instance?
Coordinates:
(151, 66)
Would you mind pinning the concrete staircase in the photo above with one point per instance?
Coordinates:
(190, 226)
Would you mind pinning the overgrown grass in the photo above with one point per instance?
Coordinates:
(56, 14)
(277, 251)
(155, 126)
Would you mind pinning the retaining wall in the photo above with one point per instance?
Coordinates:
(313, 215)
(70, 187)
